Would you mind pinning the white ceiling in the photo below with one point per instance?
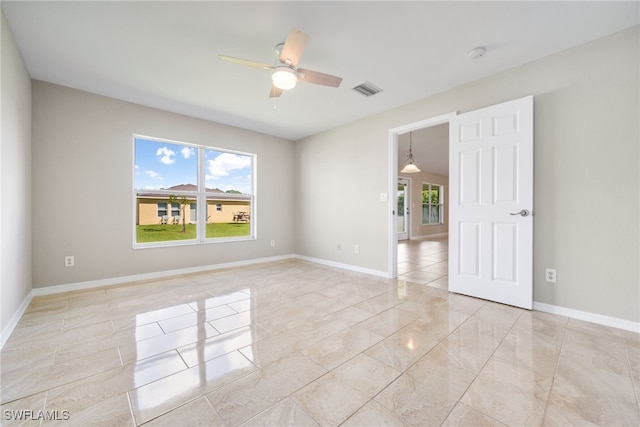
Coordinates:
(165, 54)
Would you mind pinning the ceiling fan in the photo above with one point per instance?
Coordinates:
(285, 73)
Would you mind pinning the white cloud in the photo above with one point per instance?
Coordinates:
(226, 162)
(187, 152)
(153, 174)
(167, 155)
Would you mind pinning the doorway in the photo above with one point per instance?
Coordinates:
(423, 257)
(394, 183)
(491, 186)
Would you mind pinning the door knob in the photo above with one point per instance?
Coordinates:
(523, 212)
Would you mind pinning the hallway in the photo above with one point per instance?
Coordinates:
(424, 261)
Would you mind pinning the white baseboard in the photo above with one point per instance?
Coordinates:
(342, 266)
(50, 290)
(429, 236)
(13, 322)
(56, 289)
(91, 284)
(600, 319)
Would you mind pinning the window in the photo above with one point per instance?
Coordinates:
(179, 190)
(432, 204)
(175, 209)
(162, 209)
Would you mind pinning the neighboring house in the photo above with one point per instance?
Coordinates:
(154, 207)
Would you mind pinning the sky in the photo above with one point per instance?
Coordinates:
(161, 165)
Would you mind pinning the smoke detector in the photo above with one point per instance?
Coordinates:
(477, 52)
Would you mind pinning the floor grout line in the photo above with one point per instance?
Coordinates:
(555, 371)
(294, 287)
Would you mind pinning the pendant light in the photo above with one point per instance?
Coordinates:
(410, 167)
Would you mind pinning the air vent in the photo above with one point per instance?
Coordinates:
(367, 89)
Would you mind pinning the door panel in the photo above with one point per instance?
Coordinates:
(491, 181)
(505, 174)
(469, 177)
(469, 249)
(403, 209)
(505, 238)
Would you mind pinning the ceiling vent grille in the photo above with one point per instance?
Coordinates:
(367, 89)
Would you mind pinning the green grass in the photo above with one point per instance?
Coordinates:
(169, 232)
(215, 230)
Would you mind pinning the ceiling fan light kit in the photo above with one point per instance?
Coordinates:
(284, 77)
(285, 73)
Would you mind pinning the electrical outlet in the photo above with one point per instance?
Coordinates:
(273, 243)
(550, 275)
(69, 261)
(356, 249)
(339, 247)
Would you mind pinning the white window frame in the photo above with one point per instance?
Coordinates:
(200, 196)
(440, 204)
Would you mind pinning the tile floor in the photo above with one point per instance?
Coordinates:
(294, 343)
(424, 261)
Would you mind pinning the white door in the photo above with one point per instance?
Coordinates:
(403, 209)
(491, 203)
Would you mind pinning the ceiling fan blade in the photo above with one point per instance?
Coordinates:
(318, 78)
(293, 47)
(275, 92)
(246, 62)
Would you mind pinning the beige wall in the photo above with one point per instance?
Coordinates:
(15, 179)
(586, 149)
(82, 155)
(147, 211)
(418, 229)
(229, 209)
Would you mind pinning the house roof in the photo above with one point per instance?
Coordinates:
(191, 187)
(211, 193)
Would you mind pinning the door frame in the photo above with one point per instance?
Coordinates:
(392, 257)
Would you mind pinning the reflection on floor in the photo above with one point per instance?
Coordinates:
(295, 343)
